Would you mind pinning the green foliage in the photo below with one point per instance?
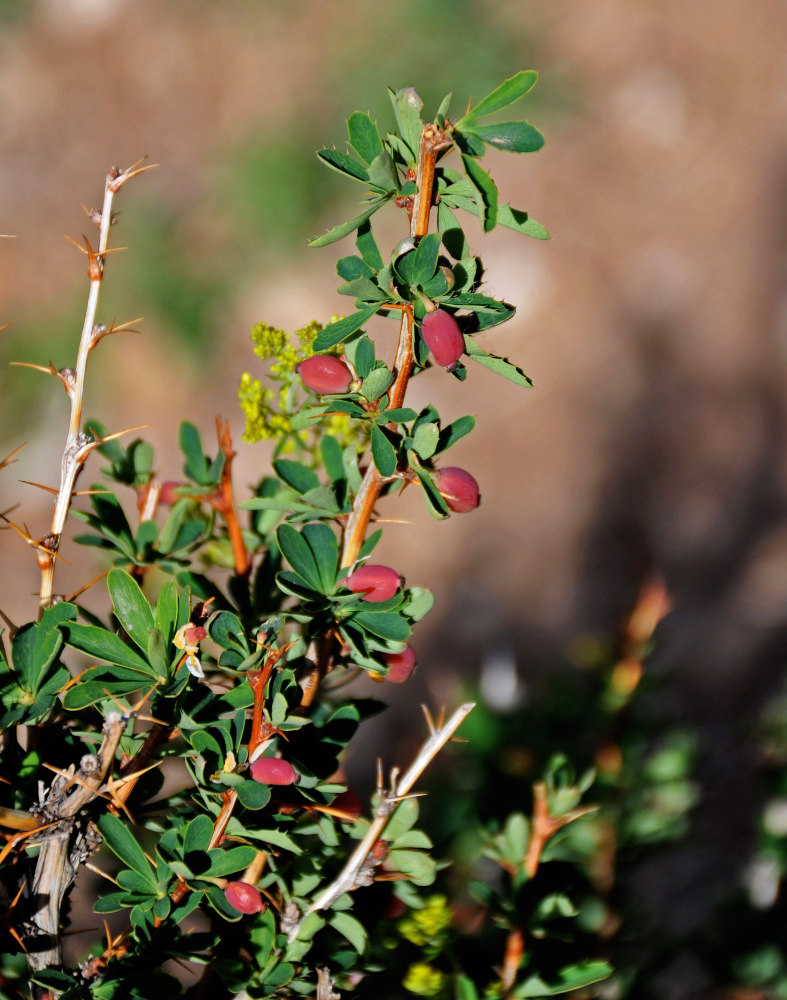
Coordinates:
(211, 695)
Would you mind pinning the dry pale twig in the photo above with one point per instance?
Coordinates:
(79, 444)
(348, 878)
(64, 846)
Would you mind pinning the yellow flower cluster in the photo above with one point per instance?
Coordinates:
(268, 411)
(425, 925)
(263, 419)
(424, 980)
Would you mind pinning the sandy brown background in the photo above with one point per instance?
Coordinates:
(654, 324)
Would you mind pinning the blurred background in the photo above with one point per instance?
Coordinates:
(654, 324)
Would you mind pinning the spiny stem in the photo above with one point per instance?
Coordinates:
(433, 141)
(346, 880)
(78, 445)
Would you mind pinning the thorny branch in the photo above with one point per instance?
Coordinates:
(434, 141)
(79, 444)
(352, 876)
(68, 840)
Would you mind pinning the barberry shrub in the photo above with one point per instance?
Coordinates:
(186, 744)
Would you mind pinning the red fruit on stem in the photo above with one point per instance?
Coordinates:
(244, 897)
(458, 488)
(443, 337)
(273, 771)
(324, 373)
(400, 665)
(349, 803)
(168, 496)
(376, 583)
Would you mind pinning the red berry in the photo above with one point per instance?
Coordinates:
(443, 337)
(168, 494)
(376, 583)
(244, 897)
(273, 771)
(458, 488)
(194, 635)
(400, 665)
(324, 373)
(349, 803)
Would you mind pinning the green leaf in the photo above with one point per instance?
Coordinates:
(196, 465)
(364, 137)
(507, 93)
(418, 604)
(363, 356)
(112, 902)
(87, 693)
(415, 840)
(486, 197)
(132, 608)
(500, 366)
(419, 867)
(377, 383)
(297, 551)
(515, 838)
(514, 137)
(573, 977)
(438, 508)
(464, 989)
(383, 452)
(425, 440)
(277, 838)
(425, 258)
(400, 415)
(441, 282)
(105, 646)
(331, 454)
(134, 882)
(351, 928)
(520, 222)
(344, 163)
(166, 613)
(384, 624)
(407, 109)
(230, 861)
(297, 475)
(451, 232)
(120, 840)
(403, 819)
(252, 794)
(382, 173)
(455, 431)
(442, 110)
(292, 583)
(353, 267)
(363, 289)
(342, 230)
(159, 653)
(54, 979)
(198, 834)
(336, 332)
(367, 247)
(322, 498)
(325, 549)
